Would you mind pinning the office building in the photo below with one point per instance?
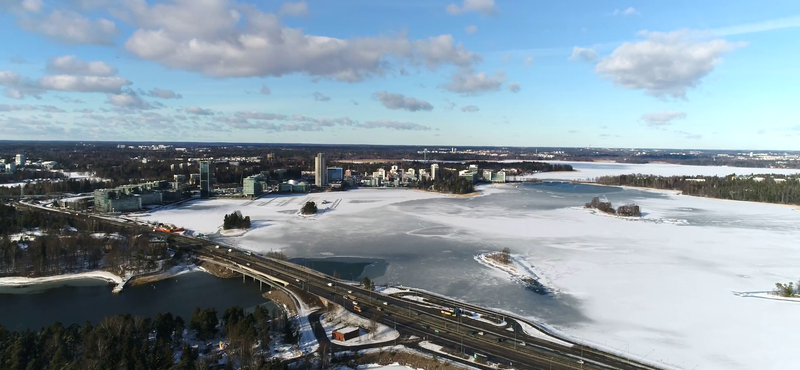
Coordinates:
(335, 174)
(320, 170)
(205, 179)
(254, 186)
(19, 160)
(129, 198)
(434, 171)
(10, 167)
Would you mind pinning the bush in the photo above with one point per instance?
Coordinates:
(309, 208)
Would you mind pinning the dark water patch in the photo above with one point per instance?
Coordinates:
(92, 300)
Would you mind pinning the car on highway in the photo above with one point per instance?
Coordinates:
(248, 253)
(501, 339)
(385, 303)
(330, 284)
(350, 291)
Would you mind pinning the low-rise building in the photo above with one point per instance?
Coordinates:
(345, 334)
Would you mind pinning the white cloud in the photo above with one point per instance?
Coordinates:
(128, 100)
(34, 6)
(223, 38)
(71, 65)
(83, 83)
(769, 25)
(626, 12)
(265, 90)
(199, 111)
(161, 94)
(318, 96)
(470, 108)
(485, 7)
(26, 107)
(394, 125)
(399, 101)
(663, 118)
(465, 82)
(72, 28)
(583, 54)
(666, 64)
(528, 61)
(514, 87)
(294, 9)
(470, 29)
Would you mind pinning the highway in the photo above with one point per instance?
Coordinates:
(494, 342)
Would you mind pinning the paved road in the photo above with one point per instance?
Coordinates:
(494, 343)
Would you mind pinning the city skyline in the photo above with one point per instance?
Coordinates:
(715, 75)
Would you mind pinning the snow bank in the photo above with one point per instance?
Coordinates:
(100, 275)
(341, 319)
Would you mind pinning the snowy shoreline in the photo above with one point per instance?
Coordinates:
(20, 281)
(525, 277)
(118, 281)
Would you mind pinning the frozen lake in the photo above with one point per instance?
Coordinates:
(660, 287)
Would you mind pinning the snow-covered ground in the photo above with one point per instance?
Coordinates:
(340, 318)
(100, 275)
(586, 171)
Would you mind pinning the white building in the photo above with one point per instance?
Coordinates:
(20, 160)
(320, 170)
(434, 171)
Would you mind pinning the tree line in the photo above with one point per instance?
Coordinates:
(138, 343)
(63, 244)
(756, 188)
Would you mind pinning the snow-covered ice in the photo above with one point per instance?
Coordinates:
(586, 171)
(661, 287)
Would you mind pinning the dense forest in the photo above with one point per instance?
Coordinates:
(53, 244)
(235, 220)
(448, 182)
(757, 188)
(165, 342)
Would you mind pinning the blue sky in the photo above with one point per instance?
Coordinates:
(679, 74)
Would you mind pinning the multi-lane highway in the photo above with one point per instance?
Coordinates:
(505, 342)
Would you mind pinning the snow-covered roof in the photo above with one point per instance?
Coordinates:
(347, 330)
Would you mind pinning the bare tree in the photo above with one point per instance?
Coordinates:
(373, 324)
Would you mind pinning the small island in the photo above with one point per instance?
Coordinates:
(627, 210)
(309, 208)
(235, 220)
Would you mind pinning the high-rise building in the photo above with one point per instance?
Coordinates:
(434, 171)
(320, 170)
(20, 160)
(205, 179)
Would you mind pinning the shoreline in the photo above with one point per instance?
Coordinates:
(21, 281)
(119, 282)
(678, 192)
